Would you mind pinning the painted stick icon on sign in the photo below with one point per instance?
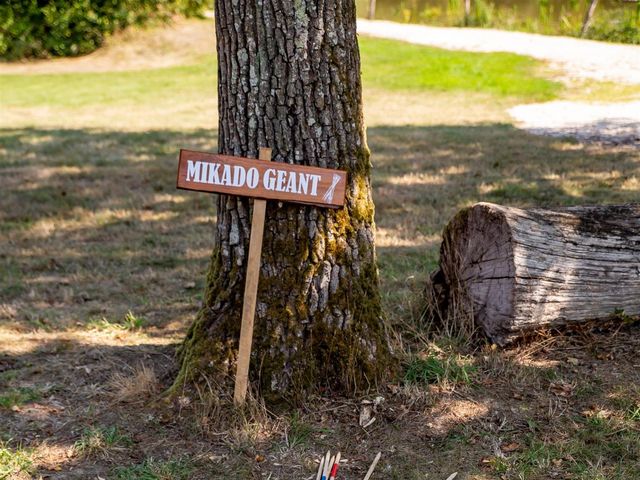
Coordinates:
(208, 172)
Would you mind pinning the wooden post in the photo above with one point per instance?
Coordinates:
(250, 293)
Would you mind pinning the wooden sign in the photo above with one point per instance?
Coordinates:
(207, 172)
(263, 180)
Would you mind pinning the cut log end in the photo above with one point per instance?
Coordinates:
(477, 265)
(522, 270)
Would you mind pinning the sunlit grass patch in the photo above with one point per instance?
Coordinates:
(130, 322)
(126, 89)
(99, 440)
(396, 65)
(14, 462)
(598, 446)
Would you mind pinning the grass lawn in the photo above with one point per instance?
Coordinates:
(102, 264)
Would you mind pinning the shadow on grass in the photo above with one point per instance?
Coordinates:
(92, 228)
(92, 224)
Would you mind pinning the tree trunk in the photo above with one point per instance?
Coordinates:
(588, 17)
(467, 13)
(521, 270)
(289, 79)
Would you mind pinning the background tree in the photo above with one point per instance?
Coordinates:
(289, 79)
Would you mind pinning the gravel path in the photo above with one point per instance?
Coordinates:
(579, 58)
(617, 123)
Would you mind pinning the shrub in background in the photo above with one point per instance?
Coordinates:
(58, 28)
(620, 25)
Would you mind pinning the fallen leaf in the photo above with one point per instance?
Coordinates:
(510, 447)
(562, 389)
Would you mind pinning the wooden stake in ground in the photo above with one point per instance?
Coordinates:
(250, 293)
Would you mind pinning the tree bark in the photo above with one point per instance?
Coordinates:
(521, 270)
(588, 17)
(289, 79)
(372, 10)
(467, 13)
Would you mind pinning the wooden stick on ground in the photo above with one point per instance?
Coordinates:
(373, 466)
(320, 468)
(325, 470)
(334, 467)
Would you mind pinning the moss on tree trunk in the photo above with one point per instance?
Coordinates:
(289, 79)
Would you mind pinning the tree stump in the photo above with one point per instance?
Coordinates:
(523, 270)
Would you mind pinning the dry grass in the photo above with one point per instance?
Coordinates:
(137, 386)
(92, 229)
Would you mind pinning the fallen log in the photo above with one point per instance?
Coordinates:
(522, 270)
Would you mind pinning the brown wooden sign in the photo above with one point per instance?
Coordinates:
(208, 172)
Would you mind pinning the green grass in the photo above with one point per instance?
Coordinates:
(434, 369)
(591, 449)
(14, 463)
(143, 87)
(298, 432)
(100, 439)
(14, 397)
(395, 65)
(386, 64)
(151, 469)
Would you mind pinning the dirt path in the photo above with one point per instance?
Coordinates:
(579, 58)
(617, 123)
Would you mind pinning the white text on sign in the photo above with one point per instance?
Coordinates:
(254, 178)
